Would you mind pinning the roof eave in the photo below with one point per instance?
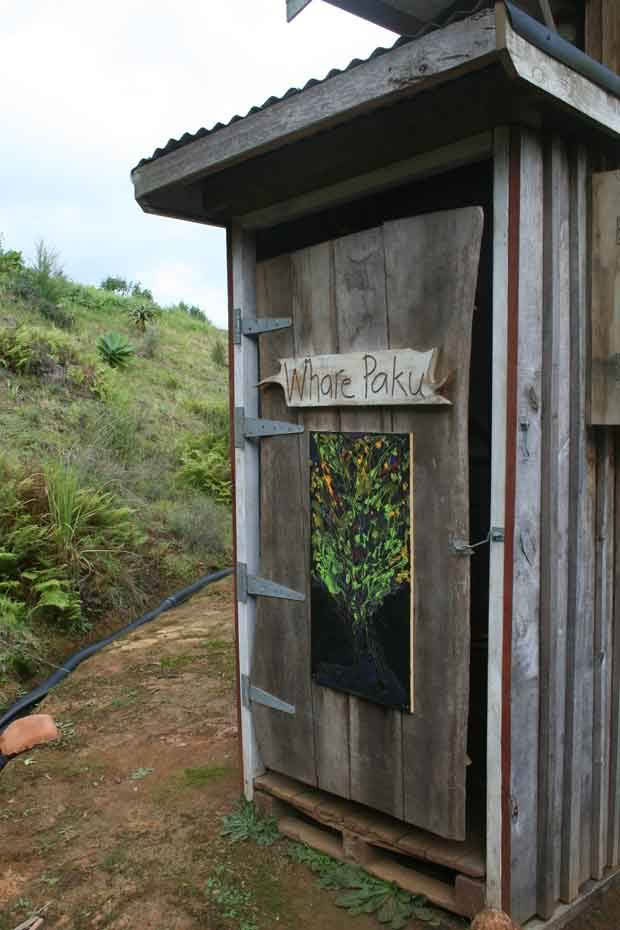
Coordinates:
(440, 56)
(170, 184)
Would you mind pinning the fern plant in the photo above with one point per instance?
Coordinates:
(114, 349)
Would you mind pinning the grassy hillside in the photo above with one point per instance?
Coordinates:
(114, 476)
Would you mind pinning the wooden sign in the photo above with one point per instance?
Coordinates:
(383, 377)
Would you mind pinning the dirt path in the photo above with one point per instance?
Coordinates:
(119, 824)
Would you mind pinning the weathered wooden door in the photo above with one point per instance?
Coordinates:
(408, 284)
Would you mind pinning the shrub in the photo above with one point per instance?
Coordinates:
(47, 275)
(19, 646)
(205, 465)
(218, 354)
(63, 546)
(141, 315)
(11, 261)
(35, 350)
(115, 349)
(138, 291)
(201, 525)
(116, 285)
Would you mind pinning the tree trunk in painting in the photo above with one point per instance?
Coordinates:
(360, 490)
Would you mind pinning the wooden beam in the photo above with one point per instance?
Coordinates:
(576, 842)
(446, 158)
(497, 513)
(525, 679)
(245, 392)
(440, 56)
(554, 534)
(604, 814)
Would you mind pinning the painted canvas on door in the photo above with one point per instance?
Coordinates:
(361, 500)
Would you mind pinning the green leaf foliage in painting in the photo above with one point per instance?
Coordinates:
(360, 499)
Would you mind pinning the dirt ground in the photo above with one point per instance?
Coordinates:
(118, 825)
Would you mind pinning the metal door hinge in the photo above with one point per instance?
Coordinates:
(253, 428)
(250, 326)
(262, 587)
(251, 695)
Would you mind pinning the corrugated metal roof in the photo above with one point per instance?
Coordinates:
(189, 137)
(473, 6)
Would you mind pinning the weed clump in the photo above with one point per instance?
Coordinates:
(245, 823)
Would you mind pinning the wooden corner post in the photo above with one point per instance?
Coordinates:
(501, 175)
(245, 403)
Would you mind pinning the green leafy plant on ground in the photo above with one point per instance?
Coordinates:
(363, 893)
(115, 349)
(245, 823)
(233, 900)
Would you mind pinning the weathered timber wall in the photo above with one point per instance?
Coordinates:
(565, 683)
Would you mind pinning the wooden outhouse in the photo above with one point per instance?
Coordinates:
(426, 245)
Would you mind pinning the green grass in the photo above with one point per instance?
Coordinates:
(135, 442)
(202, 775)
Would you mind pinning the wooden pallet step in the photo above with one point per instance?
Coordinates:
(376, 862)
(376, 828)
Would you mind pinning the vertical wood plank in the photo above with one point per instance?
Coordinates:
(526, 570)
(246, 484)
(605, 393)
(281, 659)
(501, 172)
(593, 29)
(375, 731)
(554, 534)
(613, 839)
(315, 330)
(610, 31)
(604, 822)
(431, 274)
(577, 810)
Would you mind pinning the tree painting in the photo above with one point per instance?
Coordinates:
(361, 491)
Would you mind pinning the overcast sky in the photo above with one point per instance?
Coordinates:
(89, 88)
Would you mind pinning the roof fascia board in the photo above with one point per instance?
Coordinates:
(403, 72)
(556, 79)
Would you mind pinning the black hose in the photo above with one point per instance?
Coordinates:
(34, 697)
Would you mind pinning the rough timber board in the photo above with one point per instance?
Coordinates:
(431, 274)
(605, 361)
(526, 562)
(286, 741)
(375, 828)
(440, 893)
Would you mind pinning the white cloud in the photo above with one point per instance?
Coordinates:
(88, 89)
(169, 279)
